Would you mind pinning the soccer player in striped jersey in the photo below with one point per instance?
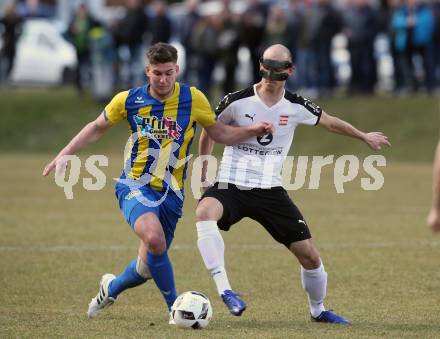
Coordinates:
(162, 119)
(249, 179)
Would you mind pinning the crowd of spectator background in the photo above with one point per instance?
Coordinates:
(306, 27)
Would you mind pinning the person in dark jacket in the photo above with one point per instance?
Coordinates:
(11, 23)
(160, 23)
(252, 25)
(362, 28)
(187, 26)
(79, 34)
(436, 42)
(329, 24)
(129, 32)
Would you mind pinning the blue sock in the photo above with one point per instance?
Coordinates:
(127, 279)
(162, 272)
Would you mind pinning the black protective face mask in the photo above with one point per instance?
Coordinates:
(273, 68)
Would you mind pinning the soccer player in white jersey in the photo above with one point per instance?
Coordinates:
(239, 188)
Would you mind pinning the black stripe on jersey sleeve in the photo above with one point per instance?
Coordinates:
(306, 103)
(231, 97)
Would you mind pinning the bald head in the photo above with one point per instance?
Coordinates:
(278, 52)
(276, 63)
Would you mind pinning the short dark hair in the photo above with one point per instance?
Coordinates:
(161, 53)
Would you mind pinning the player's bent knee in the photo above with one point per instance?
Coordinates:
(202, 213)
(306, 253)
(209, 209)
(310, 261)
(156, 243)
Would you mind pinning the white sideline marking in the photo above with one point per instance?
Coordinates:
(187, 247)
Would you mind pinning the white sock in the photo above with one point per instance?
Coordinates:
(212, 249)
(315, 283)
(221, 279)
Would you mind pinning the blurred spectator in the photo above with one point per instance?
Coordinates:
(129, 34)
(205, 43)
(187, 26)
(306, 72)
(413, 25)
(398, 71)
(229, 42)
(78, 33)
(11, 23)
(34, 9)
(294, 22)
(276, 30)
(329, 23)
(362, 26)
(103, 56)
(436, 42)
(216, 39)
(160, 23)
(252, 26)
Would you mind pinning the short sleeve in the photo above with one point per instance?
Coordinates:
(201, 109)
(115, 111)
(309, 113)
(224, 110)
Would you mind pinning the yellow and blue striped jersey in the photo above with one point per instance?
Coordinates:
(161, 132)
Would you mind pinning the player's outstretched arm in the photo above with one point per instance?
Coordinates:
(373, 139)
(230, 135)
(434, 214)
(89, 134)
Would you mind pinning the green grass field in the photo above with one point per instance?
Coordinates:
(381, 259)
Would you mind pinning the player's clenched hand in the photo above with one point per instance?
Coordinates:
(434, 220)
(269, 128)
(262, 128)
(376, 140)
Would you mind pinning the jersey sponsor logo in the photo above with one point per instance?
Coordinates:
(252, 149)
(145, 179)
(284, 119)
(154, 128)
(265, 140)
(250, 116)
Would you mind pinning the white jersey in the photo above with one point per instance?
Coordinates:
(258, 161)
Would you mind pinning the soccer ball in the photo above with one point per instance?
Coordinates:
(192, 310)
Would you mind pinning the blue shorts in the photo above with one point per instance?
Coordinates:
(166, 205)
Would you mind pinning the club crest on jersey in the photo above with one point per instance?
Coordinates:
(284, 119)
(154, 128)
